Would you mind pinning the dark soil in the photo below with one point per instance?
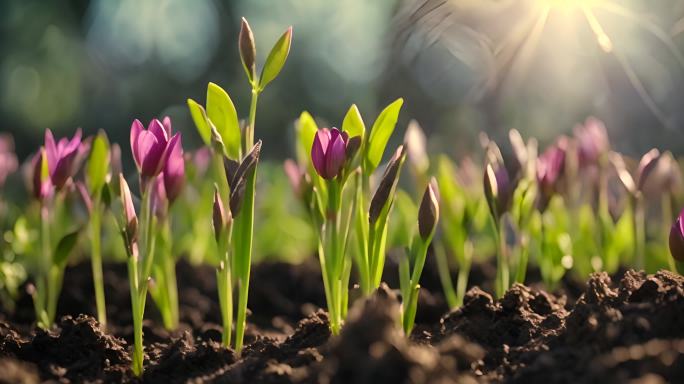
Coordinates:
(627, 329)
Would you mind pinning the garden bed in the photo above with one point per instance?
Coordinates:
(615, 330)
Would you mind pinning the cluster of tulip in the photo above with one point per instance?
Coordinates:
(577, 206)
(332, 177)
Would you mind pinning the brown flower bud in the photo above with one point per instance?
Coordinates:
(247, 49)
(388, 184)
(428, 213)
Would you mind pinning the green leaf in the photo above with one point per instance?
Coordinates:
(64, 247)
(222, 114)
(276, 59)
(353, 123)
(306, 131)
(199, 116)
(380, 133)
(98, 163)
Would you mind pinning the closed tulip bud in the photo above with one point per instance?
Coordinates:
(295, 176)
(129, 215)
(329, 152)
(550, 167)
(428, 213)
(247, 49)
(592, 140)
(416, 143)
(174, 169)
(647, 165)
(497, 189)
(62, 157)
(677, 238)
(388, 184)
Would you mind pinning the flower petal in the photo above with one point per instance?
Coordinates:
(150, 152)
(157, 128)
(318, 150)
(136, 128)
(174, 169)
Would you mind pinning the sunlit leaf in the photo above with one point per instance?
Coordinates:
(276, 59)
(221, 112)
(353, 123)
(98, 163)
(380, 133)
(199, 117)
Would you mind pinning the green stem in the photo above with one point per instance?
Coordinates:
(245, 226)
(137, 316)
(444, 275)
(501, 263)
(40, 301)
(96, 263)
(464, 272)
(666, 212)
(249, 131)
(522, 260)
(639, 232)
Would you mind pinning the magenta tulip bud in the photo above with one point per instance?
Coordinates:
(295, 175)
(149, 147)
(677, 238)
(497, 188)
(647, 164)
(428, 213)
(129, 216)
(8, 160)
(40, 182)
(550, 167)
(592, 140)
(61, 157)
(202, 159)
(329, 152)
(174, 169)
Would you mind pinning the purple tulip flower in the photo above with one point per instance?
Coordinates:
(8, 160)
(329, 152)
(150, 146)
(592, 141)
(61, 157)
(677, 238)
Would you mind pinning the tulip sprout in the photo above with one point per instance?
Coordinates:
(220, 121)
(155, 153)
(94, 191)
(370, 221)
(497, 188)
(332, 153)
(167, 188)
(635, 188)
(411, 266)
(53, 169)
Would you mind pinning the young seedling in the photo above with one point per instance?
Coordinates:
(498, 190)
(331, 155)
(221, 116)
(411, 266)
(152, 149)
(97, 173)
(635, 187)
(53, 169)
(370, 231)
(167, 189)
(237, 175)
